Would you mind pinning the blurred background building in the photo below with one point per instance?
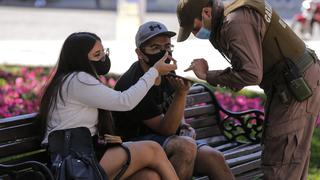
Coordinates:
(287, 8)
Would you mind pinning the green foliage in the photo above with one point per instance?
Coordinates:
(315, 147)
(2, 82)
(314, 173)
(314, 167)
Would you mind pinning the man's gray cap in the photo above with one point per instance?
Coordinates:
(151, 29)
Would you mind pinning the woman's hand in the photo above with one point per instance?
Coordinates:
(164, 68)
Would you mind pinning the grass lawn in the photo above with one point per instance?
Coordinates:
(314, 171)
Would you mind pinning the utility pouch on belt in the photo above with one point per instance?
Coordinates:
(296, 83)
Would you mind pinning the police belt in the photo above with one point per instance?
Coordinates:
(308, 58)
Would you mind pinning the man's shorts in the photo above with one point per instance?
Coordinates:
(162, 140)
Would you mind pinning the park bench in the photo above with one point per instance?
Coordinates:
(21, 154)
(236, 135)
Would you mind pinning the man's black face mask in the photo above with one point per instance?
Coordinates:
(153, 58)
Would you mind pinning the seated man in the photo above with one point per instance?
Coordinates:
(161, 112)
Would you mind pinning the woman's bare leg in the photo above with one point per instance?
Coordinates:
(145, 174)
(144, 154)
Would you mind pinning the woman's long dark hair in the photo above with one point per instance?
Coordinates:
(73, 58)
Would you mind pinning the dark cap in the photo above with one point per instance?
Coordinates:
(151, 29)
(187, 11)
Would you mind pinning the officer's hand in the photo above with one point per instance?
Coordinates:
(199, 67)
(181, 86)
(164, 68)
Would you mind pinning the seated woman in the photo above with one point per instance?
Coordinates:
(75, 97)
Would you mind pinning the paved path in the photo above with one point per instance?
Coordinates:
(32, 36)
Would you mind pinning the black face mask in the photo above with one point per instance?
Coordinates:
(153, 58)
(102, 66)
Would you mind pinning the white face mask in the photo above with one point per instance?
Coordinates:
(203, 33)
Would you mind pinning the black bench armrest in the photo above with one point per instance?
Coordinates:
(242, 127)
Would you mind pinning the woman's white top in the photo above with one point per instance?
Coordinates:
(83, 95)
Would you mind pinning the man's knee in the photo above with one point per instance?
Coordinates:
(212, 163)
(185, 147)
(217, 155)
(210, 155)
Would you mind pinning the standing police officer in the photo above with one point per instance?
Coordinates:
(263, 51)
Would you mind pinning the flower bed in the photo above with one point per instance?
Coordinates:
(20, 89)
(239, 102)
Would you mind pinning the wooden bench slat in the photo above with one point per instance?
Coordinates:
(243, 151)
(199, 110)
(18, 147)
(213, 141)
(226, 146)
(17, 132)
(240, 169)
(202, 121)
(40, 155)
(207, 132)
(243, 159)
(239, 146)
(17, 120)
(202, 178)
(195, 99)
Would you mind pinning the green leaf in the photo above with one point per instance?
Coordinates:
(3, 82)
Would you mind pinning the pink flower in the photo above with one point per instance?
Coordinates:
(241, 100)
(24, 70)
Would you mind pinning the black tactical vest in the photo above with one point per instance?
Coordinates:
(279, 41)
